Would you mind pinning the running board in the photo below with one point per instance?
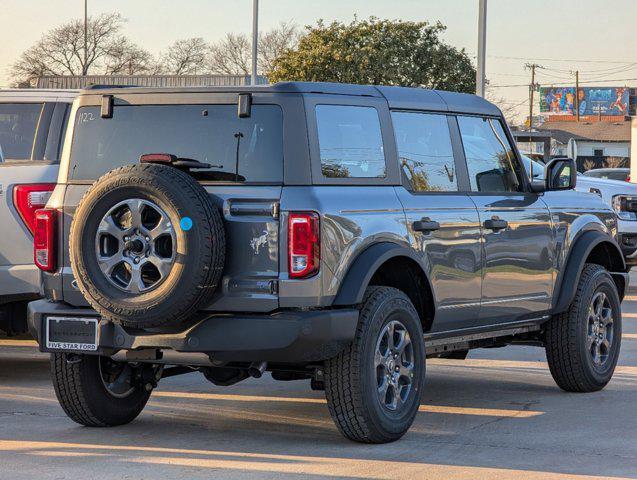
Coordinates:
(435, 345)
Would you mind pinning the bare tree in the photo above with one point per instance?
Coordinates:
(61, 50)
(275, 42)
(589, 165)
(509, 110)
(127, 58)
(233, 54)
(186, 57)
(615, 162)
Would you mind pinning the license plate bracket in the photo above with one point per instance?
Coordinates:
(71, 333)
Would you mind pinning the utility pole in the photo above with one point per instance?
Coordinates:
(482, 48)
(577, 94)
(532, 66)
(255, 40)
(84, 67)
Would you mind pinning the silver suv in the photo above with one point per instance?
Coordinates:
(32, 126)
(334, 233)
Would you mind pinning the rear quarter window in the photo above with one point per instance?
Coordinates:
(212, 134)
(350, 142)
(18, 124)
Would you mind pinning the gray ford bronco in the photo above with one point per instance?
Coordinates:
(339, 234)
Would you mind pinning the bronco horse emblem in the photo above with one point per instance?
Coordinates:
(257, 242)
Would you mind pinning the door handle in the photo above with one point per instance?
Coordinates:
(496, 224)
(425, 225)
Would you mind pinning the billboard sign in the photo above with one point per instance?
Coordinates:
(592, 100)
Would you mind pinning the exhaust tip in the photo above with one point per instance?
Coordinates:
(256, 369)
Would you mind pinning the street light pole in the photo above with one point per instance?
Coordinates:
(482, 48)
(84, 69)
(255, 40)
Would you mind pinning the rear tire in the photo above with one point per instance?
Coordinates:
(359, 388)
(85, 397)
(582, 346)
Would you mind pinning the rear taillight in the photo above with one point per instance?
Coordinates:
(44, 239)
(29, 198)
(304, 244)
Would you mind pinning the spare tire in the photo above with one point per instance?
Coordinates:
(147, 246)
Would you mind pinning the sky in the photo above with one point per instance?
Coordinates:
(593, 36)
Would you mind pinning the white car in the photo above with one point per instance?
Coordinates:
(619, 194)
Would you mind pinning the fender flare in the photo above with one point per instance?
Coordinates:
(365, 266)
(566, 284)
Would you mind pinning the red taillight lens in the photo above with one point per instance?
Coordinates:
(44, 239)
(304, 246)
(29, 198)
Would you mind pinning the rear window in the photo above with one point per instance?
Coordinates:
(18, 123)
(212, 134)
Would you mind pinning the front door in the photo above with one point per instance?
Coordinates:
(516, 227)
(443, 223)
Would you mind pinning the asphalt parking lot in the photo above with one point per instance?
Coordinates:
(496, 415)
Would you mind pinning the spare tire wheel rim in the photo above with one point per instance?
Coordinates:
(135, 245)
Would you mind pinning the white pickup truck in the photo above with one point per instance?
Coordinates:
(32, 128)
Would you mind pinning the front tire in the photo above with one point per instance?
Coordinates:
(583, 343)
(95, 391)
(374, 387)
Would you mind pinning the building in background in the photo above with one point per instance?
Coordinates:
(599, 144)
(597, 119)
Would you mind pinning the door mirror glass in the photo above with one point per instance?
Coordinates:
(560, 174)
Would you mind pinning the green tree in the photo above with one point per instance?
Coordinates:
(379, 52)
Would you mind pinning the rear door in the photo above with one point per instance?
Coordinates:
(29, 153)
(244, 179)
(442, 220)
(516, 226)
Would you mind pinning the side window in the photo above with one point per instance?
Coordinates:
(490, 159)
(18, 124)
(350, 142)
(424, 151)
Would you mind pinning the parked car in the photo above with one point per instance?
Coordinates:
(334, 233)
(620, 195)
(622, 174)
(32, 126)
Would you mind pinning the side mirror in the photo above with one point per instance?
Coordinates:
(560, 174)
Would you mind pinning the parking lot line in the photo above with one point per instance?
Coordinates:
(12, 342)
(257, 462)
(445, 409)
(529, 365)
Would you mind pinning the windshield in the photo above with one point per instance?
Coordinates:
(212, 134)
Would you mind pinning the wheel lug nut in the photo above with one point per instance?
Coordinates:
(148, 239)
(136, 259)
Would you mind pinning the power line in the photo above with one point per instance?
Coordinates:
(531, 59)
(562, 84)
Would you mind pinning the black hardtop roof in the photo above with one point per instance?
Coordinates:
(404, 98)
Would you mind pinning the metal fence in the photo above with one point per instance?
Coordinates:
(75, 82)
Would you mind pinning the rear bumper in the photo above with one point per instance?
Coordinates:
(285, 337)
(16, 280)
